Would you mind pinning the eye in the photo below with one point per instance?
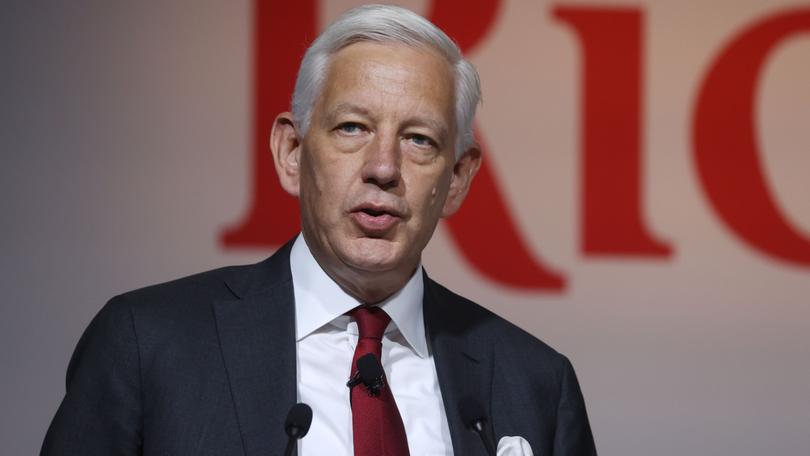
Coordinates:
(350, 128)
(422, 140)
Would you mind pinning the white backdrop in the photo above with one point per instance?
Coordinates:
(125, 153)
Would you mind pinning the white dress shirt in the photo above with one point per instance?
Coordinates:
(325, 342)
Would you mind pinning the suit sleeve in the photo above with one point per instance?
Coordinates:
(573, 435)
(101, 411)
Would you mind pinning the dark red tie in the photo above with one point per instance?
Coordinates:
(377, 425)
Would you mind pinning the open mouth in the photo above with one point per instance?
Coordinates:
(374, 212)
(375, 221)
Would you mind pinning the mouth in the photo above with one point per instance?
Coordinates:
(375, 220)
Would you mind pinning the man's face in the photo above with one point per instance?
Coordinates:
(377, 163)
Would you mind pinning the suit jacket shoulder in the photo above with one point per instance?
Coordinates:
(191, 364)
(528, 388)
(479, 322)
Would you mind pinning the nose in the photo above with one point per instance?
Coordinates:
(382, 162)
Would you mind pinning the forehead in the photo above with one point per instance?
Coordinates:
(384, 75)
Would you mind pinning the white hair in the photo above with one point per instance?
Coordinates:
(386, 24)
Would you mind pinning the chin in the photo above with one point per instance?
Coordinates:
(370, 254)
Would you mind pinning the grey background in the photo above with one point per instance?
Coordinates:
(124, 131)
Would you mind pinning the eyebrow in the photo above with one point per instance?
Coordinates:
(346, 108)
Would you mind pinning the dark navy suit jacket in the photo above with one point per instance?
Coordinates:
(205, 365)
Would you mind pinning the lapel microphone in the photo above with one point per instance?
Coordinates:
(370, 373)
(296, 426)
(475, 418)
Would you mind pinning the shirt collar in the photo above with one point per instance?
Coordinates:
(319, 300)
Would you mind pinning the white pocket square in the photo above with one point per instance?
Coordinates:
(514, 446)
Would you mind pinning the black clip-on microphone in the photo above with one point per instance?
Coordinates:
(475, 418)
(296, 426)
(370, 373)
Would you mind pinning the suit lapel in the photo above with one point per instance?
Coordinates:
(463, 363)
(257, 338)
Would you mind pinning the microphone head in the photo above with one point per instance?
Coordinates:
(371, 373)
(298, 420)
(369, 368)
(472, 412)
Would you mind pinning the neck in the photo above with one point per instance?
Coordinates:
(368, 287)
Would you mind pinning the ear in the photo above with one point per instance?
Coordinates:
(463, 172)
(285, 144)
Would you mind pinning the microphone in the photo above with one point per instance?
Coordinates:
(370, 373)
(475, 418)
(296, 426)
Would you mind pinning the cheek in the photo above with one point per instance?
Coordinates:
(314, 187)
(429, 198)
(326, 186)
(436, 199)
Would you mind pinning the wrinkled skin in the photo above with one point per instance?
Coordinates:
(376, 169)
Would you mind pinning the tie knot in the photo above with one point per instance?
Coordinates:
(371, 321)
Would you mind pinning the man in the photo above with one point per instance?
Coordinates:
(378, 148)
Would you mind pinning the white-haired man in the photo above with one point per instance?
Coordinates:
(378, 148)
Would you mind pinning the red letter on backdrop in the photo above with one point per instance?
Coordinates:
(612, 90)
(726, 146)
(282, 31)
(484, 229)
